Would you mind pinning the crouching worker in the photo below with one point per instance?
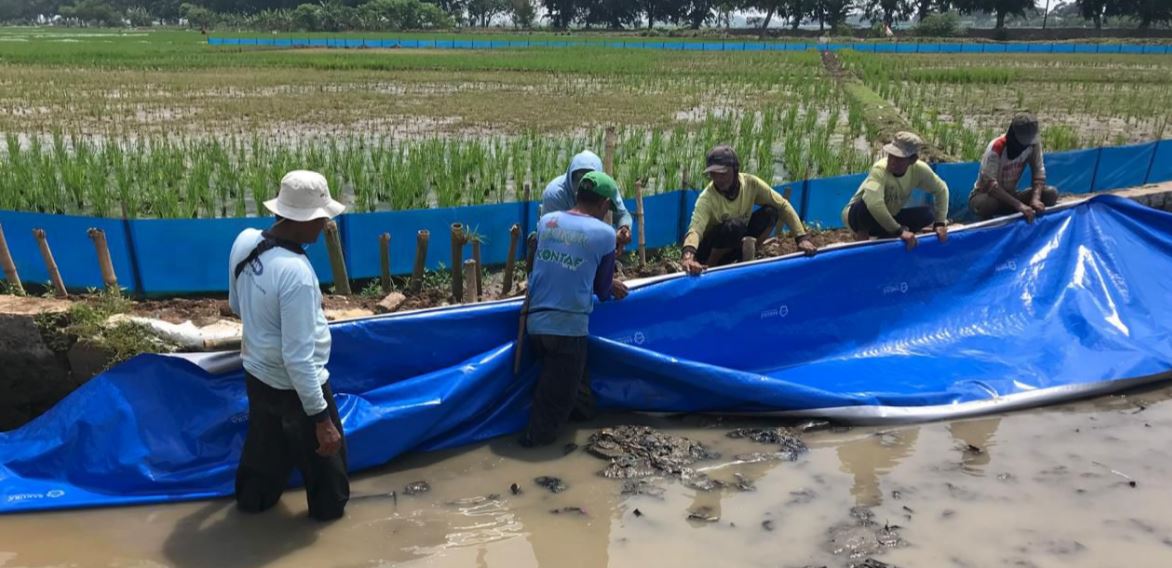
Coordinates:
(561, 193)
(292, 417)
(1002, 165)
(575, 260)
(724, 214)
(877, 209)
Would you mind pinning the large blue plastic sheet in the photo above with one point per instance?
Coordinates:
(1070, 172)
(1123, 166)
(73, 250)
(825, 198)
(183, 256)
(1061, 308)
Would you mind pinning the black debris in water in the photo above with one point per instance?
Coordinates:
(896, 495)
(971, 449)
(861, 537)
(789, 445)
(1132, 483)
(515, 489)
(570, 510)
(743, 483)
(767, 525)
(638, 513)
(642, 451)
(703, 514)
(872, 563)
(802, 497)
(701, 482)
(569, 448)
(416, 487)
(554, 484)
(908, 509)
(642, 487)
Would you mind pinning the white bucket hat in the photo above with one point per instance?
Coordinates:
(304, 196)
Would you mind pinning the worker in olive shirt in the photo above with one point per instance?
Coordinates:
(561, 192)
(292, 417)
(877, 209)
(1002, 165)
(575, 261)
(724, 214)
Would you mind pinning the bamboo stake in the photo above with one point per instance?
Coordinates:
(10, 272)
(104, 262)
(50, 264)
(384, 249)
(337, 260)
(421, 239)
(608, 153)
(457, 261)
(748, 249)
(470, 269)
(477, 277)
(639, 223)
(511, 260)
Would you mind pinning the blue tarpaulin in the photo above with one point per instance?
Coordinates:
(1068, 306)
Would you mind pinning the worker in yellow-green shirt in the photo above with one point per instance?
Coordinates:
(724, 214)
(877, 209)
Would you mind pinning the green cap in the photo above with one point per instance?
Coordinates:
(600, 183)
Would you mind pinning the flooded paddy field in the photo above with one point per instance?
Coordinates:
(1082, 484)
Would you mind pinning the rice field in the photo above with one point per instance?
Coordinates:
(159, 124)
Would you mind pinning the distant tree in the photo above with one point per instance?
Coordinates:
(523, 13)
(924, 8)
(562, 13)
(1000, 8)
(481, 12)
(1094, 10)
(139, 17)
(1148, 12)
(454, 8)
(696, 13)
(92, 12)
(196, 15)
(613, 14)
(403, 15)
(887, 12)
(831, 13)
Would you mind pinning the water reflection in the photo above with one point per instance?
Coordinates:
(869, 457)
(975, 440)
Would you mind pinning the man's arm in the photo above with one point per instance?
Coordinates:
(299, 307)
(622, 217)
(1038, 169)
(767, 196)
(939, 190)
(604, 277)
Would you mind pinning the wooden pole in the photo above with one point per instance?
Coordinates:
(511, 260)
(421, 239)
(457, 261)
(608, 153)
(384, 250)
(477, 277)
(748, 249)
(640, 224)
(50, 264)
(10, 273)
(518, 347)
(104, 262)
(337, 260)
(470, 270)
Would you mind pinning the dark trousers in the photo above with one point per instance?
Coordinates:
(728, 235)
(563, 387)
(986, 206)
(282, 437)
(914, 218)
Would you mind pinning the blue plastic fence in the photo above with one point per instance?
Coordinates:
(183, 256)
(910, 47)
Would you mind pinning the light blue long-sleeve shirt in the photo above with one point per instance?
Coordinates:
(560, 196)
(286, 337)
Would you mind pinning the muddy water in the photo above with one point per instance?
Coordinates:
(1086, 484)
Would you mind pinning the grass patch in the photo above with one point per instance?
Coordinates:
(85, 321)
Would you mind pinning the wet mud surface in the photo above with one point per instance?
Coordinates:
(1085, 484)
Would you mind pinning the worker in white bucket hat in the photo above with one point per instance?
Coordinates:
(293, 420)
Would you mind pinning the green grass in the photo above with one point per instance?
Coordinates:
(159, 124)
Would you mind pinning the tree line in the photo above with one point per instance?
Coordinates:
(377, 15)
